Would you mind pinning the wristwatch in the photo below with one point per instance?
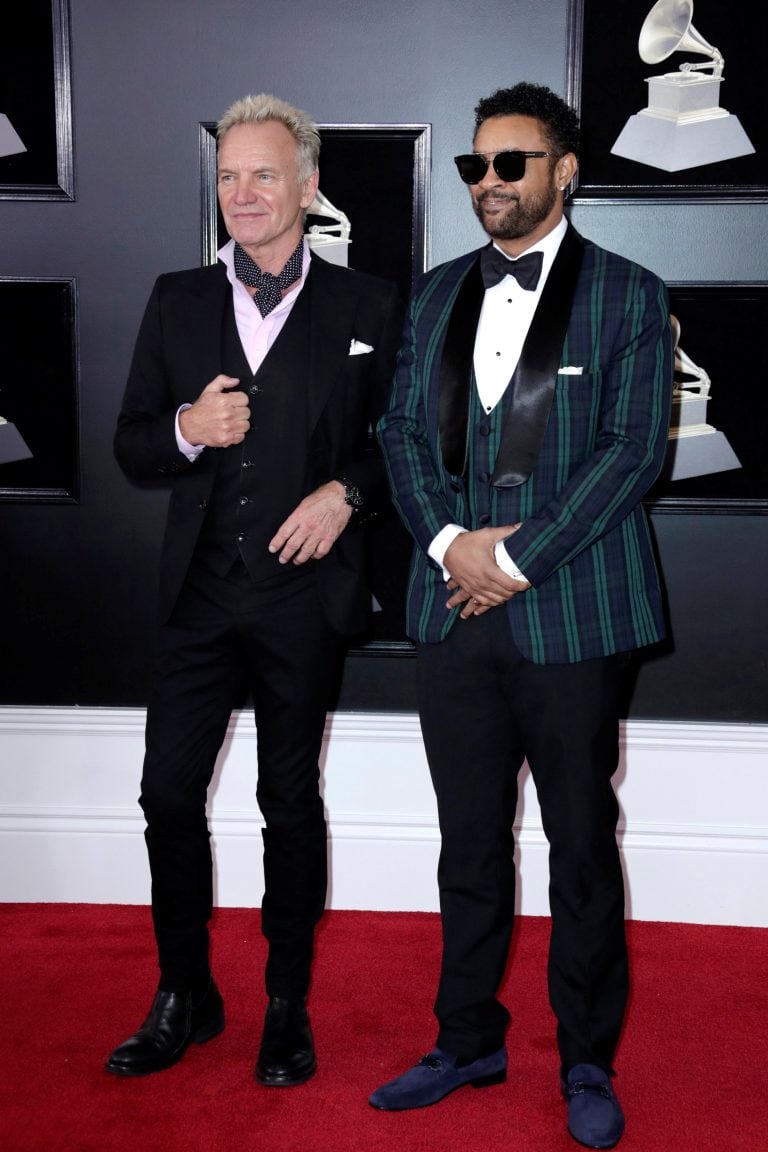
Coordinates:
(352, 494)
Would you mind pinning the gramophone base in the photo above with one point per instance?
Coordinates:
(12, 444)
(673, 146)
(334, 251)
(10, 141)
(699, 456)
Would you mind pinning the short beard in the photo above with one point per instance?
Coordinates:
(520, 219)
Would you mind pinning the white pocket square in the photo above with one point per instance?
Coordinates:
(357, 348)
(570, 370)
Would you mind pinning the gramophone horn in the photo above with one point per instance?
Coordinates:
(667, 28)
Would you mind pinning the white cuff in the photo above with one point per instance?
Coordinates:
(442, 543)
(505, 563)
(191, 451)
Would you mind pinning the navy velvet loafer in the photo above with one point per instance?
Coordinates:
(435, 1075)
(595, 1117)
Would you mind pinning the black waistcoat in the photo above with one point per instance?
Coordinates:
(259, 482)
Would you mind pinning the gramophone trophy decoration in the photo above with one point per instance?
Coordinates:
(10, 141)
(683, 125)
(12, 444)
(695, 447)
(331, 241)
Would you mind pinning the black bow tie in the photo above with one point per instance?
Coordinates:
(269, 288)
(494, 266)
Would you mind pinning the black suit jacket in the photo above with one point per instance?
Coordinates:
(179, 351)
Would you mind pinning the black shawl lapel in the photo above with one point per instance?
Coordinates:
(456, 370)
(534, 379)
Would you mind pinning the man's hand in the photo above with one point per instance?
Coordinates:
(476, 581)
(219, 417)
(313, 528)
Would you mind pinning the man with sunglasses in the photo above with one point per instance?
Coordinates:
(528, 419)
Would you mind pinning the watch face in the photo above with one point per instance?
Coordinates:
(352, 494)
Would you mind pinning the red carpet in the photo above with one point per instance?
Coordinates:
(76, 980)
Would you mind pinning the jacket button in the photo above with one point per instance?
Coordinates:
(247, 463)
(241, 536)
(484, 477)
(243, 501)
(203, 505)
(485, 518)
(484, 430)
(254, 388)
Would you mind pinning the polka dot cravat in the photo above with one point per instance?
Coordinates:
(269, 288)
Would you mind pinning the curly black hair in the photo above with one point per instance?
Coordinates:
(559, 121)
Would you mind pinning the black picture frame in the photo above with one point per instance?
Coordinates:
(35, 96)
(606, 83)
(39, 390)
(379, 176)
(722, 329)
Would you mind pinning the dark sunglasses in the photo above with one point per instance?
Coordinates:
(508, 166)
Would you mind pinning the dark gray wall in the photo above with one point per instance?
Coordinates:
(77, 582)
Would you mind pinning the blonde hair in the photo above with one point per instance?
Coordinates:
(256, 109)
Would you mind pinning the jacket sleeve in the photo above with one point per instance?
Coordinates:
(145, 439)
(416, 478)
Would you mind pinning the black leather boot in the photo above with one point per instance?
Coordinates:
(287, 1053)
(173, 1023)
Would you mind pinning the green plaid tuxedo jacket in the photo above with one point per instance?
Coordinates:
(584, 542)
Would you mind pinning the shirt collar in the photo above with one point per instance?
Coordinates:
(227, 256)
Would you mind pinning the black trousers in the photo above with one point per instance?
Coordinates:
(484, 709)
(273, 639)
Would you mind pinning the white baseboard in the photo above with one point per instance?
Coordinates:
(693, 830)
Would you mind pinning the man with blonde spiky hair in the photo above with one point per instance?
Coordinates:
(253, 387)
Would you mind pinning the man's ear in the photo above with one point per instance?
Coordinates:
(565, 170)
(309, 189)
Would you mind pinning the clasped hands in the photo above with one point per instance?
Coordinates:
(221, 417)
(477, 582)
